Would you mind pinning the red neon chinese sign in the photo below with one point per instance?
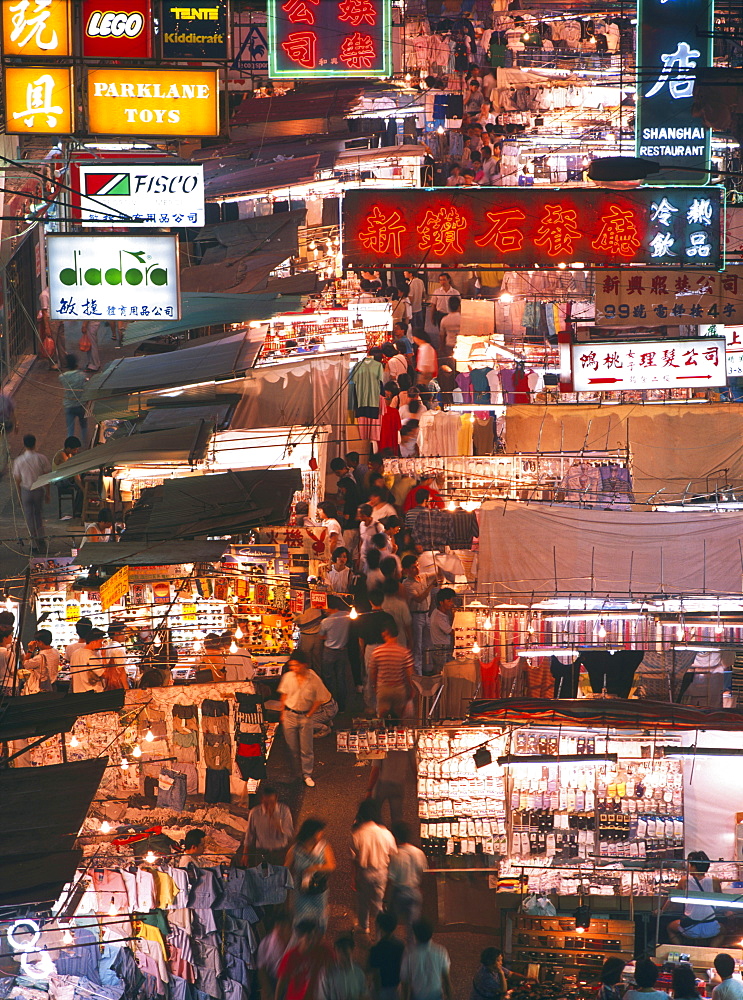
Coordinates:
(524, 227)
(338, 38)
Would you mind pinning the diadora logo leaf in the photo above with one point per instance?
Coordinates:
(124, 271)
(108, 184)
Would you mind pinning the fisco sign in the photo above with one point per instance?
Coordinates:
(117, 30)
(153, 102)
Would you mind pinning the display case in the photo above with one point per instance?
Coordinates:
(559, 948)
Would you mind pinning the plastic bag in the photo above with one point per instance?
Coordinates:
(537, 906)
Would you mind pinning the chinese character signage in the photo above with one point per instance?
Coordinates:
(153, 102)
(639, 297)
(113, 277)
(523, 227)
(649, 364)
(35, 28)
(316, 38)
(115, 588)
(733, 345)
(674, 42)
(194, 31)
(38, 99)
(121, 30)
(162, 194)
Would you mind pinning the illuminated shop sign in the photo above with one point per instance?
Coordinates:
(156, 102)
(194, 31)
(160, 194)
(38, 99)
(117, 30)
(317, 38)
(662, 298)
(649, 364)
(674, 42)
(733, 345)
(113, 277)
(35, 28)
(523, 227)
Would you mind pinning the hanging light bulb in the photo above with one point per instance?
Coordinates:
(105, 826)
(124, 764)
(74, 742)
(113, 908)
(488, 623)
(440, 130)
(149, 736)
(137, 751)
(679, 631)
(353, 615)
(150, 857)
(451, 505)
(408, 78)
(234, 647)
(530, 628)
(476, 648)
(8, 604)
(601, 633)
(67, 938)
(239, 633)
(718, 625)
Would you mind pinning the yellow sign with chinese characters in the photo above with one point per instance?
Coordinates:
(38, 99)
(156, 102)
(115, 588)
(36, 28)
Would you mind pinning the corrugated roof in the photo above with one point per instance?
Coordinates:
(263, 232)
(232, 272)
(228, 503)
(162, 418)
(127, 553)
(42, 811)
(245, 178)
(202, 309)
(184, 445)
(313, 101)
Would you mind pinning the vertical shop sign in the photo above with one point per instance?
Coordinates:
(251, 44)
(38, 99)
(674, 42)
(321, 38)
(35, 28)
(194, 31)
(117, 30)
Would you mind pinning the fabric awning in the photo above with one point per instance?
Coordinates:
(237, 178)
(202, 309)
(223, 504)
(126, 553)
(208, 359)
(245, 274)
(43, 810)
(48, 714)
(275, 233)
(184, 445)
(616, 713)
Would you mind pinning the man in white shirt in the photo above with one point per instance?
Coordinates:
(87, 665)
(425, 966)
(441, 295)
(238, 666)
(27, 468)
(379, 505)
(451, 324)
(270, 829)
(372, 847)
(302, 693)
(416, 294)
(404, 877)
(82, 627)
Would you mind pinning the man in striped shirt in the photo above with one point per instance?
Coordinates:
(390, 670)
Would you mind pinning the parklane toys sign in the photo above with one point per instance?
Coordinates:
(154, 194)
(649, 364)
(36, 28)
(523, 227)
(113, 277)
(153, 102)
(321, 38)
(117, 30)
(38, 99)
(194, 31)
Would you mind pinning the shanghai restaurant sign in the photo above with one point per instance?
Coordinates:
(322, 38)
(154, 194)
(674, 42)
(524, 227)
(156, 102)
(113, 277)
(651, 364)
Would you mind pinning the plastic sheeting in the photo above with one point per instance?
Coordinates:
(678, 447)
(540, 549)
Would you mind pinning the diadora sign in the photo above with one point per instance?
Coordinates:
(131, 270)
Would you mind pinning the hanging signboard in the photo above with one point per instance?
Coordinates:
(733, 345)
(35, 28)
(632, 298)
(121, 30)
(323, 38)
(194, 31)
(115, 588)
(153, 102)
(38, 99)
(121, 277)
(524, 227)
(674, 41)
(649, 364)
(251, 44)
(155, 194)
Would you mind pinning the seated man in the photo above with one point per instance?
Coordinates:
(74, 484)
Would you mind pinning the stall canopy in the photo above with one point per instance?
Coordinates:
(183, 446)
(249, 179)
(616, 713)
(207, 360)
(42, 811)
(127, 553)
(209, 505)
(542, 550)
(202, 309)
(275, 233)
(50, 714)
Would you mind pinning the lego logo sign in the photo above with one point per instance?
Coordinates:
(117, 30)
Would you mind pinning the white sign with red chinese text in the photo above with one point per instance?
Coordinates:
(733, 345)
(649, 364)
